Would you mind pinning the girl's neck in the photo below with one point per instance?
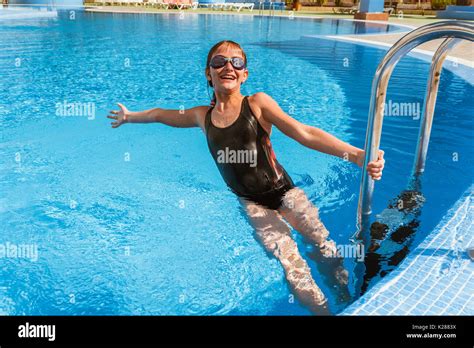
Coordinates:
(226, 101)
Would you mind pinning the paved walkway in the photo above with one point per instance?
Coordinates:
(437, 278)
(464, 52)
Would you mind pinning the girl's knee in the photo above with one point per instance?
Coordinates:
(318, 232)
(311, 227)
(277, 243)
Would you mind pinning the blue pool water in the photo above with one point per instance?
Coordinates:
(137, 220)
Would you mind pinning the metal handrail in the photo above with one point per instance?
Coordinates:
(271, 8)
(430, 102)
(453, 32)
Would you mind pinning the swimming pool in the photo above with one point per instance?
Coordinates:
(138, 220)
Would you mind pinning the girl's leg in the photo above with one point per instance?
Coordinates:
(275, 235)
(303, 216)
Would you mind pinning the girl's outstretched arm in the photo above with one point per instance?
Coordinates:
(313, 137)
(174, 118)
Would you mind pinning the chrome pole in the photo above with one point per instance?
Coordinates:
(443, 29)
(429, 104)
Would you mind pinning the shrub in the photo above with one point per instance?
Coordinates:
(441, 4)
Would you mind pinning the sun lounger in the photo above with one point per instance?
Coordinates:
(112, 2)
(128, 2)
(242, 5)
(218, 5)
(207, 5)
(159, 4)
(346, 10)
(182, 4)
(229, 6)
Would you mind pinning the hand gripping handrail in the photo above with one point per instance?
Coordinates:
(453, 32)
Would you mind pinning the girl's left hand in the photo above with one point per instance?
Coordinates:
(374, 168)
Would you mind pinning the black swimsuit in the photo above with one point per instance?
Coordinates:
(245, 158)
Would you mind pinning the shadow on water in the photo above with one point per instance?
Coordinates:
(389, 238)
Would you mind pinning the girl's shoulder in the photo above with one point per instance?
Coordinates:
(256, 104)
(259, 99)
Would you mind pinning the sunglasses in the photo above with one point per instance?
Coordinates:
(218, 62)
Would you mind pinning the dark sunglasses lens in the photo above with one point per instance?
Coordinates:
(238, 63)
(218, 62)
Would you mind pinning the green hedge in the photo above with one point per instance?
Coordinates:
(441, 4)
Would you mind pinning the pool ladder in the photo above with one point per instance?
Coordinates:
(261, 8)
(453, 32)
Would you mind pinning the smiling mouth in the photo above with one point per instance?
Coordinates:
(227, 77)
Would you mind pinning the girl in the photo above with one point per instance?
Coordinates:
(238, 131)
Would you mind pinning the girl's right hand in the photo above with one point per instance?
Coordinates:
(120, 116)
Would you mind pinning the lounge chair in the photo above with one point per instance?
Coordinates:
(129, 2)
(206, 5)
(185, 4)
(228, 6)
(182, 4)
(242, 5)
(218, 5)
(347, 10)
(159, 4)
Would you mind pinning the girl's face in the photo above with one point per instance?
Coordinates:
(227, 79)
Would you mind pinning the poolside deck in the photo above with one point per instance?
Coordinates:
(436, 278)
(464, 52)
